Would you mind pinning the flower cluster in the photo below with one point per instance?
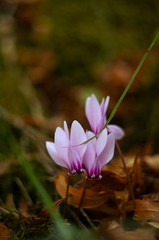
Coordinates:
(74, 152)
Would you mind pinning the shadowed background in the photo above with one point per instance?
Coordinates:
(53, 55)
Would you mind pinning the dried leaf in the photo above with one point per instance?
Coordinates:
(108, 209)
(152, 162)
(91, 199)
(154, 224)
(147, 210)
(114, 231)
(5, 232)
(152, 196)
(113, 181)
(116, 166)
(109, 181)
(23, 207)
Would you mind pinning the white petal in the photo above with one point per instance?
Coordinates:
(66, 129)
(75, 160)
(61, 144)
(104, 105)
(101, 142)
(52, 151)
(78, 136)
(98, 169)
(93, 113)
(118, 132)
(89, 135)
(108, 151)
(89, 157)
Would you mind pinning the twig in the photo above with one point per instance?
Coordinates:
(78, 221)
(33, 134)
(127, 173)
(88, 219)
(4, 210)
(25, 193)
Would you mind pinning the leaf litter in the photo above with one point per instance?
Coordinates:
(107, 202)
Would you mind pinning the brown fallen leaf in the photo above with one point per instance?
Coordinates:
(91, 199)
(23, 207)
(152, 162)
(146, 210)
(116, 165)
(109, 181)
(152, 196)
(5, 232)
(107, 209)
(114, 231)
(154, 224)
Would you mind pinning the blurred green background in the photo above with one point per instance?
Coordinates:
(53, 54)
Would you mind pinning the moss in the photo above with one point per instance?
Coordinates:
(32, 228)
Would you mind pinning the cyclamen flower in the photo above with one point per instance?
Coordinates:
(96, 115)
(64, 151)
(99, 151)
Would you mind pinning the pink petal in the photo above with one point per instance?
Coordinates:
(66, 129)
(118, 132)
(89, 157)
(101, 142)
(108, 151)
(52, 151)
(61, 144)
(75, 160)
(77, 137)
(93, 113)
(90, 135)
(104, 105)
(98, 169)
(102, 123)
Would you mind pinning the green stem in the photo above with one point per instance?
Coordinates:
(131, 80)
(128, 85)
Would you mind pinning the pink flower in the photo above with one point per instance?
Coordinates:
(100, 151)
(64, 151)
(96, 115)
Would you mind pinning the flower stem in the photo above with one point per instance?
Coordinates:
(67, 192)
(128, 85)
(82, 196)
(127, 173)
